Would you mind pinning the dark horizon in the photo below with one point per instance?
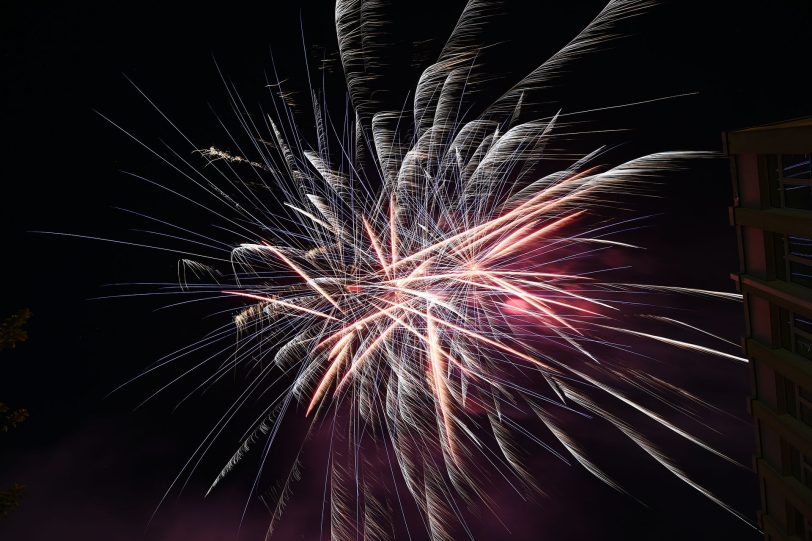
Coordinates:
(94, 469)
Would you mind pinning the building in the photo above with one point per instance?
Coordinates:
(772, 213)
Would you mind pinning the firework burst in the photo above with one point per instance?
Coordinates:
(430, 294)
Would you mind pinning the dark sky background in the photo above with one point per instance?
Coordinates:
(96, 469)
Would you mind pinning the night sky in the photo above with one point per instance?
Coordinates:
(95, 467)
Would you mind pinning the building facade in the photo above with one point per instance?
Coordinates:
(772, 213)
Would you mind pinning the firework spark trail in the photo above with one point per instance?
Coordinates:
(424, 270)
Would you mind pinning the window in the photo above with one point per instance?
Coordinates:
(790, 460)
(796, 166)
(787, 403)
(807, 471)
(795, 333)
(793, 258)
(794, 400)
(802, 336)
(796, 524)
(795, 180)
(796, 464)
(805, 405)
(799, 260)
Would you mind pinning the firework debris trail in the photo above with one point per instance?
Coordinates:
(427, 292)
